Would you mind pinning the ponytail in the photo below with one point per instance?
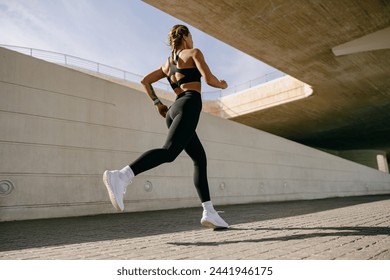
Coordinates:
(175, 37)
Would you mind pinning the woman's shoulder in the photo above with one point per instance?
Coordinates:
(195, 51)
(165, 67)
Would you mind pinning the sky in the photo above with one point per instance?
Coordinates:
(127, 34)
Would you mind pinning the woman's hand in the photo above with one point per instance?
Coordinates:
(162, 109)
(224, 84)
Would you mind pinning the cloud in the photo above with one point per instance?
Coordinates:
(31, 25)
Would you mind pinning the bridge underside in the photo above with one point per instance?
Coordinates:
(350, 104)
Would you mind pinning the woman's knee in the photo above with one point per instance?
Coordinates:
(170, 154)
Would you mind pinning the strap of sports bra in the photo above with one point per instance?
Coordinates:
(177, 56)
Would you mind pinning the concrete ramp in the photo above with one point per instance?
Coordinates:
(61, 128)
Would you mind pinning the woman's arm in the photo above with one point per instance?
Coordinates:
(151, 78)
(205, 71)
(147, 82)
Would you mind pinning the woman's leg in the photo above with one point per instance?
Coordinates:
(182, 120)
(210, 217)
(181, 130)
(195, 150)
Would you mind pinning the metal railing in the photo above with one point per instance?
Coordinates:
(232, 89)
(73, 61)
(85, 64)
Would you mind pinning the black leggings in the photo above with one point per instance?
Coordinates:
(182, 119)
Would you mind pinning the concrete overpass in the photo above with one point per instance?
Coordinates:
(340, 48)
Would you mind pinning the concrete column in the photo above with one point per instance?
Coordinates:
(372, 158)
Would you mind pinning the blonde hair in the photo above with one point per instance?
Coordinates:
(175, 37)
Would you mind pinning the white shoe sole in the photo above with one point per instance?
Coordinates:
(209, 224)
(110, 192)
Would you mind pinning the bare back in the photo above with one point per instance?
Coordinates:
(184, 65)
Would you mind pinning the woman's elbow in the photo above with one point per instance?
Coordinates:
(208, 80)
(144, 81)
(211, 81)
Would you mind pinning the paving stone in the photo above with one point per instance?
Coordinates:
(356, 228)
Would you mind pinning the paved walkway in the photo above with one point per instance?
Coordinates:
(340, 228)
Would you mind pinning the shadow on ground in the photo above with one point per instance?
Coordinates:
(19, 235)
(318, 232)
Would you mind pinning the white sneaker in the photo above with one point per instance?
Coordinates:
(116, 188)
(213, 220)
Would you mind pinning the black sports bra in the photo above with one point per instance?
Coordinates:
(190, 74)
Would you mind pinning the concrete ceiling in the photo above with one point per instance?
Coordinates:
(350, 106)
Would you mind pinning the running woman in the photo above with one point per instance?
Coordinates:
(183, 69)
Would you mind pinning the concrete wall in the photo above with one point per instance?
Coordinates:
(60, 129)
(371, 158)
(273, 93)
